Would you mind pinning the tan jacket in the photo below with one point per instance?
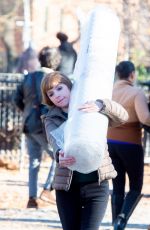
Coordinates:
(63, 176)
(135, 103)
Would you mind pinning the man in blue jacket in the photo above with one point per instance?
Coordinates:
(28, 99)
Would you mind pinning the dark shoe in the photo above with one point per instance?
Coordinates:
(32, 203)
(120, 222)
(48, 196)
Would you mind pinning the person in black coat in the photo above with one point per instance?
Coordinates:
(28, 99)
(68, 55)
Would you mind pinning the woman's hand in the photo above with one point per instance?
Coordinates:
(65, 161)
(91, 106)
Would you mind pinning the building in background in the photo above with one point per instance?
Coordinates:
(37, 22)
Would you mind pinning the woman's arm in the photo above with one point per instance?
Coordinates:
(50, 127)
(54, 135)
(115, 112)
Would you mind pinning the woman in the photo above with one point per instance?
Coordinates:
(125, 144)
(81, 198)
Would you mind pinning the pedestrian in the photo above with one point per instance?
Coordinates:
(28, 99)
(125, 144)
(68, 54)
(28, 61)
(81, 198)
(50, 59)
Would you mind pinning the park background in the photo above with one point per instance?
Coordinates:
(34, 23)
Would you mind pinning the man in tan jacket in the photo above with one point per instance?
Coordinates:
(125, 144)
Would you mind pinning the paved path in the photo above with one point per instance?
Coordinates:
(14, 215)
(47, 218)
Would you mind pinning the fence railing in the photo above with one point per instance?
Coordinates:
(10, 116)
(11, 119)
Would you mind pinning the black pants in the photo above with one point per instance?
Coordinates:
(127, 158)
(83, 206)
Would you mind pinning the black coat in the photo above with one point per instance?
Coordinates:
(28, 99)
(68, 58)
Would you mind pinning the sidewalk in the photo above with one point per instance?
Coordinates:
(14, 195)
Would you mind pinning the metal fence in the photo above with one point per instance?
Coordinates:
(11, 140)
(10, 117)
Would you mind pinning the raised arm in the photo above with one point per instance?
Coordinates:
(115, 112)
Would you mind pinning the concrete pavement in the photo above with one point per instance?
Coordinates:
(15, 216)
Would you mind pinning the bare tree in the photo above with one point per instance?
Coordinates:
(8, 10)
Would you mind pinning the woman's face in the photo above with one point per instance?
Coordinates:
(59, 95)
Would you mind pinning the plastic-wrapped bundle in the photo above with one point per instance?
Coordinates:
(85, 133)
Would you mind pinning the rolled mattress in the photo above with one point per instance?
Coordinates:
(85, 133)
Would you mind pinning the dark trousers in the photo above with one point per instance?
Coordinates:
(83, 206)
(126, 158)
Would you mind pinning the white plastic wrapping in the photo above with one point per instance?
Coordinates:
(85, 133)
